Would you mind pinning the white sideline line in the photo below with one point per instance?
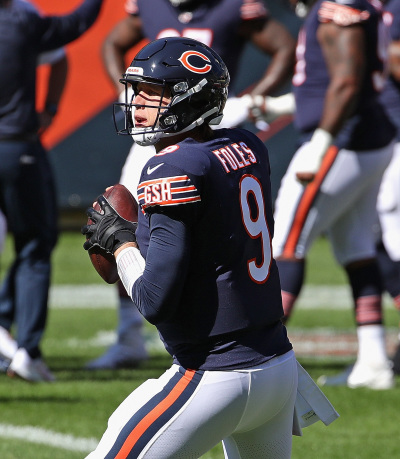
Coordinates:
(92, 296)
(98, 296)
(48, 437)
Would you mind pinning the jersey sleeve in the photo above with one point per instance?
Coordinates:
(57, 31)
(342, 15)
(167, 188)
(158, 291)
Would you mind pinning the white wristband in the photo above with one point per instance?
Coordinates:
(130, 265)
(309, 157)
(321, 140)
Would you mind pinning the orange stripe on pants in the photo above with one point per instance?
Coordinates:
(154, 414)
(307, 201)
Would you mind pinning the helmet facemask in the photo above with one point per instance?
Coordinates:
(142, 135)
(171, 119)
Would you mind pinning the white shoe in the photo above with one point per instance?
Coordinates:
(8, 345)
(25, 367)
(378, 377)
(119, 356)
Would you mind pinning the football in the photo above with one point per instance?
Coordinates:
(121, 199)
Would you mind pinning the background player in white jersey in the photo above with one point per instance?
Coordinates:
(226, 26)
(198, 265)
(332, 182)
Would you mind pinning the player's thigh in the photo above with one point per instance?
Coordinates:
(352, 234)
(163, 418)
(211, 414)
(339, 194)
(29, 196)
(272, 440)
(302, 213)
(121, 416)
(265, 429)
(389, 191)
(286, 204)
(389, 206)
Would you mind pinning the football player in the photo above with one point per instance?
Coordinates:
(198, 265)
(27, 192)
(389, 193)
(226, 26)
(58, 68)
(332, 182)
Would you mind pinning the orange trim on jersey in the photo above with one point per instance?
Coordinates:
(177, 178)
(154, 414)
(175, 190)
(306, 202)
(171, 202)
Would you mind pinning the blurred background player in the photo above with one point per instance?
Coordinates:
(226, 26)
(389, 193)
(332, 182)
(27, 191)
(58, 71)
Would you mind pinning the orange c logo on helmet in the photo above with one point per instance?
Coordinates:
(185, 62)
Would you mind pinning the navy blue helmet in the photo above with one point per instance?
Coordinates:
(190, 72)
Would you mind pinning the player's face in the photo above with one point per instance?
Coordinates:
(148, 99)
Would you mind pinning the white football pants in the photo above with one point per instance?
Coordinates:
(184, 414)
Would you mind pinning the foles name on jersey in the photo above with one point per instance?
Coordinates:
(235, 156)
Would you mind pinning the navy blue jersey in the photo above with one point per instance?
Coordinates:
(391, 94)
(368, 127)
(215, 23)
(24, 35)
(223, 290)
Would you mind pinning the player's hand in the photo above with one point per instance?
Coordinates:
(109, 230)
(309, 158)
(268, 109)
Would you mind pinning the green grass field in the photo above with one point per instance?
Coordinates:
(65, 419)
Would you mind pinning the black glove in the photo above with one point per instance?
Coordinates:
(109, 230)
